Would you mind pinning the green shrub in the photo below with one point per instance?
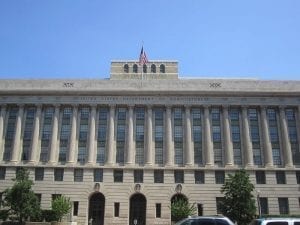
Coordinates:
(4, 214)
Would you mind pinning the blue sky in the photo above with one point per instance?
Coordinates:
(210, 38)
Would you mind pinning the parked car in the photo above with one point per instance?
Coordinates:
(206, 220)
(276, 221)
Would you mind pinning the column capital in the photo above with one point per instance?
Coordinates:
(39, 105)
(93, 105)
(263, 107)
(168, 106)
(112, 106)
(56, 105)
(21, 105)
(75, 105)
(206, 106)
(131, 106)
(149, 106)
(187, 106)
(225, 106)
(282, 108)
(244, 107)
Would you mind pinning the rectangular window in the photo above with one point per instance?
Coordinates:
(75, 208)
(55, 196)
(78, 175)
(39, 198)
(200, 209)
(117, 209)
(118, 176)
(138, 176)
(158, 176)
(283, 204)
(219, 200)
(219, 177)
(1, 199)
(39, 173)
(260, 177)
(158, 210)
(2, 173)
(264, 207)
(280, 177)
(58, 174)
(98, 175)
(179, 176)
(199, 177)
(298, 177)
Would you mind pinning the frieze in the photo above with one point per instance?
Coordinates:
(151, 100)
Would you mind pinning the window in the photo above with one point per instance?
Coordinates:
(135, 68)
(260, 177)
(162, 68)
(1, 199)
(55, 196)
(264, 206)
(158, 176)
(39, 198)
(298, 177)
(144, 68)
(39, 173)
(2, 173)
(280, 177)
(75, 208)
(126, 68)
(59, 174)
(118, 176)
(153, 68)
(283, 204)
(179, 176)
(200, 209)
(98, 175)
(158, 210)
(78, 175)
(199, 177)
(219, 200)
(219, 177)
(117, 209)
(138, 176)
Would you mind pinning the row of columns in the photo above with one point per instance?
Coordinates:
(169, 145)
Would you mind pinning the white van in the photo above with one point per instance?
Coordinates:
(276, 221)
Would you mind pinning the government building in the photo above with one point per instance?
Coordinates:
(122, 149)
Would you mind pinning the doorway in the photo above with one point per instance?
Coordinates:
(96, 209)
(137, 210)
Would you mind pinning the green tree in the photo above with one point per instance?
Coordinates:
(20, 199)
(61, 206)
(238, 203)
(181, 208)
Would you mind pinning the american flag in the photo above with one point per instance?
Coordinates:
(143, 57)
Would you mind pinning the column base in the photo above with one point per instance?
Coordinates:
(148, 164)
(129, 164)
(69, 164)
(230, 166)
(32, 162)
(269, 166)
(52, 163)
(189, 165)
(249, 166)
(90, 164)
(289, 166)
(209, 166)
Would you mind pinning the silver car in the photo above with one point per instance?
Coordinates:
(205, 220)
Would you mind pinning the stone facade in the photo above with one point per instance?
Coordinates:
(147, 136)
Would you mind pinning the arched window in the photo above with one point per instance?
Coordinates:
(162, 68)
(126, 68)
(144, 68)
(153, 68)
(135, 68)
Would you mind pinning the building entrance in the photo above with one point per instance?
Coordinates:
(137, 214)
(96, 209)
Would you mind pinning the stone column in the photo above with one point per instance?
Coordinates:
(92, 135)
(111, 135)
(247, 143)
(287, 151)
(71, 157)
(188, 137)
(228, 147)
(169, 141)
(35, 137)
(149, 146)
(266, 138)
(2, 119)
(129, 146)
(17, 139)
(54, 147)
(208, 144)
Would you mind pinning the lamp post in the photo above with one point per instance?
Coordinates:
(258, 203)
